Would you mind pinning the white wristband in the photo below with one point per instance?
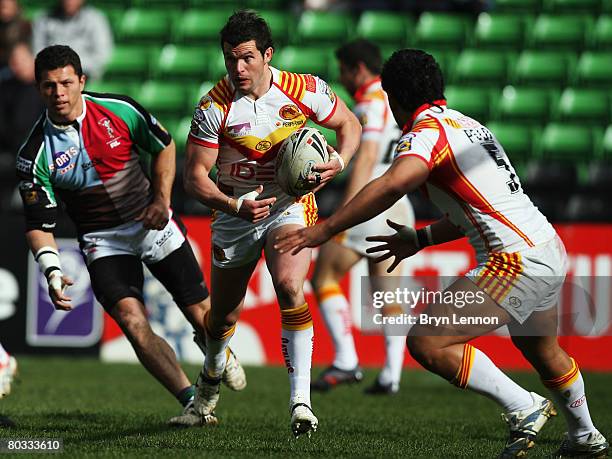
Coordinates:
(251, 195)
(49, 261)
(336, 155)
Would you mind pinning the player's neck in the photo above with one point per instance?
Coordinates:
(263, 87)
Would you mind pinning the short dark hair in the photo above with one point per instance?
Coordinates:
(361, 50)
(413, 78)
(247, 25)
(55, 57)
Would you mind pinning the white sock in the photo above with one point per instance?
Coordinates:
(296, 345)
(569, 395)
(216, 350)
(478, 373)
(4, 357)
(337, 316)
(392, 371)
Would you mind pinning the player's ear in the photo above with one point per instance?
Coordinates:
(267, 56)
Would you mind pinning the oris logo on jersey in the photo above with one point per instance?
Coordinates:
(205, 103)
(578, 402)
(263, 145)
(289, 112)
(62, 160)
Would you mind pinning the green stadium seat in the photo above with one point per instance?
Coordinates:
(571, 6)
(441, 30)
(602, 33)
(128, 62)
(584, 105)
(524, 104)
(180, 62)
(606, 150)
(568, 143)
(543, 68)
(518, 6)
(303, 60)
(384, 27)
(114, 15)
(594, 69)
(145, 26)
(474, 102)
(555, 32)
(217, 69)
(180, 133)
(515, 138)
(157, 4)
(606, 6)
(281, 23)
(197, 26)
(501, 31)
(323, 27)
(113, 87)
(484, 67)
(164, 99)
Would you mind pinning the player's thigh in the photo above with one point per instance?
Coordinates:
(333, 262)
(288, 271)
(116, 277)
(458, 314)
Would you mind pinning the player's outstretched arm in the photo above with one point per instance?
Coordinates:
(405, 174)
(348, 134)
(199, 161)
(44, 249)
(155, 215)
(407, 241)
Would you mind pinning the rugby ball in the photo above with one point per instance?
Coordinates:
(296, 157)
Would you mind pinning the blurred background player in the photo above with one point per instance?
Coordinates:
(14, 28)
(8, 370)
(360, 63)
(521, 260)
(84, 28)
(83, 150)
(240, 125)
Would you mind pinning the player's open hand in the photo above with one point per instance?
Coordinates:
(251, 209)
(326, 171)
(155, 216)
(402, 244)
(57, 289)
(297, 240)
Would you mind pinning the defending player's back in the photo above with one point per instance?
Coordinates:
(472, 180)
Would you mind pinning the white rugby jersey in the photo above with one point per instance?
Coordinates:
(472, 181)
(373, 112)
(249, 133)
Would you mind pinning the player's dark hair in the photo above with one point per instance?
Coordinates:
(360, 50)
(247, 25)
(55, 57)
(413, 78)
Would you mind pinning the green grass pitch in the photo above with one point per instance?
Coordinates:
(118, 410)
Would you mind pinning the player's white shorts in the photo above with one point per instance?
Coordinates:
(354, 238)
(525, 281)
(237, 242)
(131, 238)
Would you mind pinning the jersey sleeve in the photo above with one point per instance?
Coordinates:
(146, 131)
(35, 186)
(320, 99)
(372, 115)
(421, 144)
(206, 123)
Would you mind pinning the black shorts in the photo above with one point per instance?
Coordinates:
(120, 276)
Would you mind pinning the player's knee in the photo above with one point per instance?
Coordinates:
(289, 292)
(136, 328)
(423, 350)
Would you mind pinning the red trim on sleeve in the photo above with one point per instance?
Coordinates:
(372, 130)
(327, 118)
(414, 155)
(204, 143)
